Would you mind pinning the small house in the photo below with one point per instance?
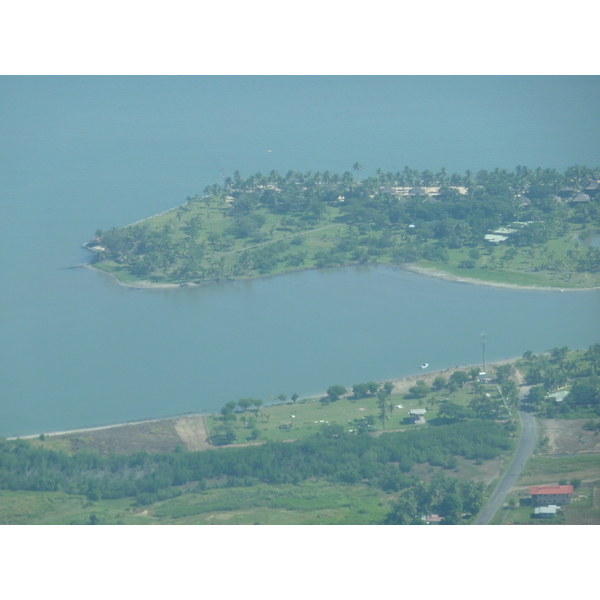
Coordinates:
(418, 191)
(432, 519)
(495, 239)
(544, 495)
(417, 415)
(579, 198)
(559, 396)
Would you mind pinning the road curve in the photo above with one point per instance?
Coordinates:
(524, 451)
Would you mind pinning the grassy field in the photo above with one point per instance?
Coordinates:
(525, 269)
(215, 223)
(57, 508)
(582, 515)
(308, 503)
(541, 470)
(294, 421)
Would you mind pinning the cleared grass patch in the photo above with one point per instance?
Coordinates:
(504, 276)
(58, 508)
(306, 503)
(582, 516)
(545, 469)
(306, 417)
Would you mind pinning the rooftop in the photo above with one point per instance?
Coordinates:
(550, 489)
(559, 396)
(490, 237)
(540, 510)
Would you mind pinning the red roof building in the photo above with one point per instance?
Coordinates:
(551, 494)
(432, 519)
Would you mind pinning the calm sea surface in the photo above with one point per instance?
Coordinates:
(82, 153)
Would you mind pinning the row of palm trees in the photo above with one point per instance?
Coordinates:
(519, 180)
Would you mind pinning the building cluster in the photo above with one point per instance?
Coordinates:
(548, 499)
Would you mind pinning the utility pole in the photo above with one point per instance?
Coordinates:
(483, 336)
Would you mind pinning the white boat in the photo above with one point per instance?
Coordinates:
(424, 365)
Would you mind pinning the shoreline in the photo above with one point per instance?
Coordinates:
(427, 272)
(430, 272)
(401, 385)
(101, 427)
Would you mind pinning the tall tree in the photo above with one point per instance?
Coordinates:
(385, 406)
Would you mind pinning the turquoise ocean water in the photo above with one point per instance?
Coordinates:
(82, 153)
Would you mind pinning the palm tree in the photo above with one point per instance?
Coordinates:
(593, 355)
(357, 166)
(385, 405)
(442, 176)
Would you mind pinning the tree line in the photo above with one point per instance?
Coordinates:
(385, 461)
(577, 372)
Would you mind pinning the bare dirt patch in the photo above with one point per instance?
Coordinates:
(193, 432)
(567, 437)
(152, 436)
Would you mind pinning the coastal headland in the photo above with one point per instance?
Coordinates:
(527, 229)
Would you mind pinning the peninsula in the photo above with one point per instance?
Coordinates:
(530, 228)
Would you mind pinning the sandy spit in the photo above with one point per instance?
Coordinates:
(451, 277)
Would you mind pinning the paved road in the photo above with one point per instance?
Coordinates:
(526, 445)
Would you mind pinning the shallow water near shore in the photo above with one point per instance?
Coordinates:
(158, 353)
(78, 154)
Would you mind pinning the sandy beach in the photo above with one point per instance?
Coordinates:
(451, 277)
(140, 285)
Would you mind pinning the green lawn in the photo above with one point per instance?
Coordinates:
(308, 416)
(523, 269)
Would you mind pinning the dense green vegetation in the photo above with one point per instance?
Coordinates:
(444, 496)
(575, 372)
(276, 223)
(384, 462)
